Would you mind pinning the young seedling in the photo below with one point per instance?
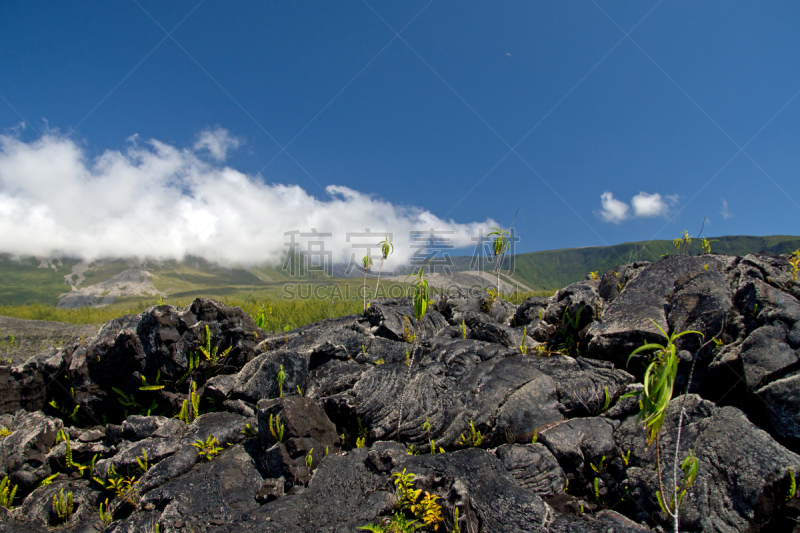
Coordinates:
(659, 381)
(7, 494)
(421, 301)
(209, 448)
(62, 506)
(522, 348)
(795, 262)
(276, 428)
(475, 438)
(386, 248)
(105, 516)
(706, 245)
(367, 262)
(281, 380)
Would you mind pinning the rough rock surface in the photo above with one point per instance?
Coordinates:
(306, 431)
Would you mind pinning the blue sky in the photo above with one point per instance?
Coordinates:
(605, 122)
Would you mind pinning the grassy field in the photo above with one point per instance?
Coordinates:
(277, 313)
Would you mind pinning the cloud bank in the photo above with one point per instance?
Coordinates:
(155, 200)
(644, 205)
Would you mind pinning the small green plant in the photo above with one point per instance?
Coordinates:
(522, 348)
(671, 505)
(386, 248)
(249, 431)
(794, 261)
(607, 401)
(535, 436)
(489, 300)
(456, 525)
(594, 275)
(659, 380)
(47, 480)
(408, 333)
(475, 438)
(706, 245)
(147, 387)
(367, 262)
(379, 361)
(7, 494)
(156, 529)
(361, 442)
(73, 414)
(309, 459)
(684, 241)
(193, 361)
(499, 247)
(62, 505)
(105, 515)
(626, 457)
(63, 435)
(463, 328)
(411, 451)
(281, 380)
(596, 487)
(212, 354)
(124, 487)
(208, 449)
(408, 358)
(789, 494)
(599, 466)
(144, 465)
(276, 428)
(299, 390)
(190, 408)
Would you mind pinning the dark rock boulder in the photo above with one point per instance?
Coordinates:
(532, 309)
(743, 474)
(701, 299)
(534, 468)
(395, 320)
(23, 453)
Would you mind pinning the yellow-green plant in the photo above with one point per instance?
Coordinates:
(105, 516)
(408, 499)
(309, 459)
(795, 262)
(456, 525)
(281, 380)
(4, 432)
(488, 301)
(249, 431)
(7, 494)
(190, 408)
(408, 333)
(63, 435)
(463, 328)
(522, 347)
(144, 466)
(789, 494)
(671, 505)
(535, 436)
(685, 240)
(361, 442)
(594, 275)
(475, 438)
(367, 263)
(626, 457)
(212, 354)
(193, 362)
(62, 505)
(499, 247)
(386, 248)
(148, 387)
(208, 448)
(47, 480)
(276, 428)
(124, 487)
(659, 380)
(706, 245)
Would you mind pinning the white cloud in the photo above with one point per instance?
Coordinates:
(156, 200)
(217, 141)
(725, 213)
(613, 210)
(649, 205)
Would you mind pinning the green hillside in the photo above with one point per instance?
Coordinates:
(553, 269)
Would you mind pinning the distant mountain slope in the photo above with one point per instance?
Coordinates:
(553, 269)
(71, 283)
